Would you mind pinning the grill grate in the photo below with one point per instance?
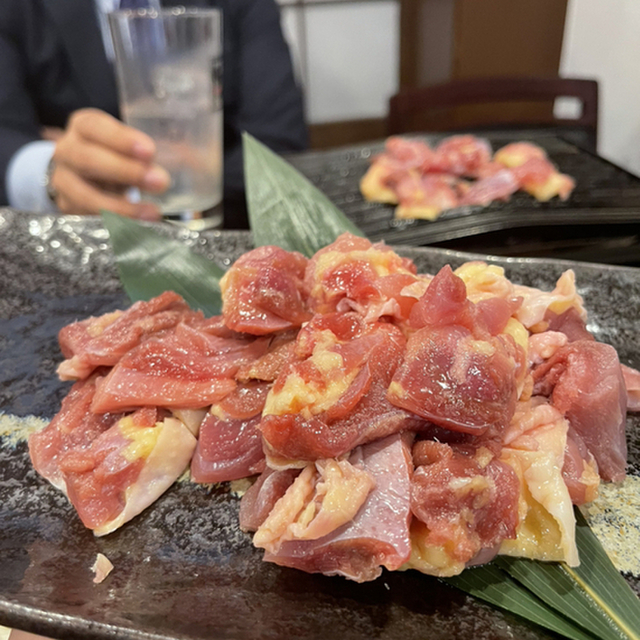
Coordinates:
(605, 194)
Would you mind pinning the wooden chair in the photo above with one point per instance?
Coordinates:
(458, 105)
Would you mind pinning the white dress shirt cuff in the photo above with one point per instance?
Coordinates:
(25, 179)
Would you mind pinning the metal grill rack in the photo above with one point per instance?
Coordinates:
(603, 209)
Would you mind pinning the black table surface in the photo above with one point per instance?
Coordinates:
(599, 222)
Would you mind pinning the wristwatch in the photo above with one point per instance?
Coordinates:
(52, 193)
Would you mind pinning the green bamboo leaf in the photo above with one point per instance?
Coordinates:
(150, 263)
(491, 584)
(593, 595)
(596, 571)
(285, 209)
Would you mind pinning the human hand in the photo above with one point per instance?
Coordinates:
(51, 133)
(97, 159)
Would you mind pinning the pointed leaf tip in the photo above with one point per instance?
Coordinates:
(150, 263)
(285, 209)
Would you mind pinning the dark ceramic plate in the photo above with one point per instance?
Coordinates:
(183, 569)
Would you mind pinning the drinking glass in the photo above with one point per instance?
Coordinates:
(169, 76)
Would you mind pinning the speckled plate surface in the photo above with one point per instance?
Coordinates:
(183, 569)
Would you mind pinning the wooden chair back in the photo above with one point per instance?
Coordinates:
(430, 108)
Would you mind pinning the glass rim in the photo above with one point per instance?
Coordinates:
(173, 12)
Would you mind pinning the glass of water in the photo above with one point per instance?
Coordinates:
(169, 76)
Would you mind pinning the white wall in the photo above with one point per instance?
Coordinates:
(347, 56)
(602, 41)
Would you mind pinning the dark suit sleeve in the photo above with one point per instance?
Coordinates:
(268, 101)
(18, 119)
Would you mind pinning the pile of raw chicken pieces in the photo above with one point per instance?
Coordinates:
(461, 171)
(388, 419)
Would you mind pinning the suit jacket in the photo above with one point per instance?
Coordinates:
(52, 62)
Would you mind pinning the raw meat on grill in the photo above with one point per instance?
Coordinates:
(534, 171)
(460, 171)
(462, 155)
(425, 196)
(400, 157)
(410, 154)
(501, 185)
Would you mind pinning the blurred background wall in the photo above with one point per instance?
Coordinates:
(602, 41)
(352, 55)
(347, 55)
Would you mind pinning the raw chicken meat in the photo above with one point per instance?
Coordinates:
(389, 419)
(460, 171)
